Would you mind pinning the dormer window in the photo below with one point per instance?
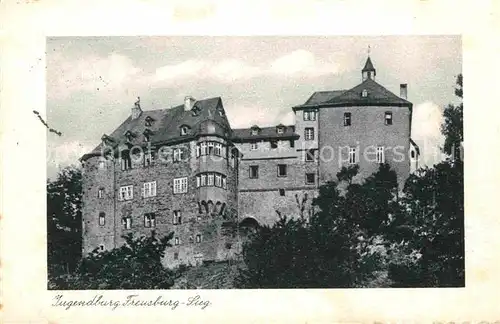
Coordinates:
(149, 121)
(195, 110)
(220, 112)
(364, 93)
(280, 129)
(107, 140)
(129, 136)
(255, 130)
(147, 135)
(184, 130)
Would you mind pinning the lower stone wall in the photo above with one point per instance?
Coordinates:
(263, 205)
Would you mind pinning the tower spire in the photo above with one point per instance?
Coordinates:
(368, 71)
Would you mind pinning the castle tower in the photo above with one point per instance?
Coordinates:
(368, 71)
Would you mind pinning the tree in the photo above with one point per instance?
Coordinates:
(431, 229)
(64, 217)
(434, 201)
(334, 248)
(134, 265)
(453, 126)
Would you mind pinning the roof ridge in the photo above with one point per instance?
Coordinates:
(261, 127)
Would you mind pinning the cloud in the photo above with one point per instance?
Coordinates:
(65, 154)
(90, 73)
(232, 70)
(190, 68)
(301, 62)
(242, 116)
(426, 132)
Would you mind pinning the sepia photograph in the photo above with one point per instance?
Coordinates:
(254, 162)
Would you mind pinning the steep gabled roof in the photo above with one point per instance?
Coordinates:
(166, 125)
(368, 65)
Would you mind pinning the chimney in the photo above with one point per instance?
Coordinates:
(403, 91)
(137, 111)
(188, 103)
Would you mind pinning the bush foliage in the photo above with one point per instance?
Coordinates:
(134, 265)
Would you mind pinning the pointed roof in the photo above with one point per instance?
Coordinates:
(377, 96)
(368, 65)
(168, 121)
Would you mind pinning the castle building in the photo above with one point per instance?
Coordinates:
(185, 170)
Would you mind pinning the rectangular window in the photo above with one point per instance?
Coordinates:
(176, 256)
(198, 181)
(310, 156)
(198, 149)
(224, 182)
(150, 220)
(233, 158)
(388, 118)
(148, 159)
(282, 192)
(310, 178)
(281, 170)
(210, 179)
(203, 180)
(309, 115)
(309, 134)
(218, 180)
(292, 143)
(254, 171)
(102, 219)
(149, 189)
(177, 217)
(100, 193)
(218, 149)
(180, 185)
(380, 154)
(274, 144)
(102, 164)
(198, 238)
(178, 154)
(127, 222)
(347, 119)
(126, 193)
(254, 146)
(352, 155)
(210, 148)
(177, 241)
(126, 161)
(203, 147)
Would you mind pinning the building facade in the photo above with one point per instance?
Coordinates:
(185, 170)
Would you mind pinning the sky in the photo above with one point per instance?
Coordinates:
(93, 82)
